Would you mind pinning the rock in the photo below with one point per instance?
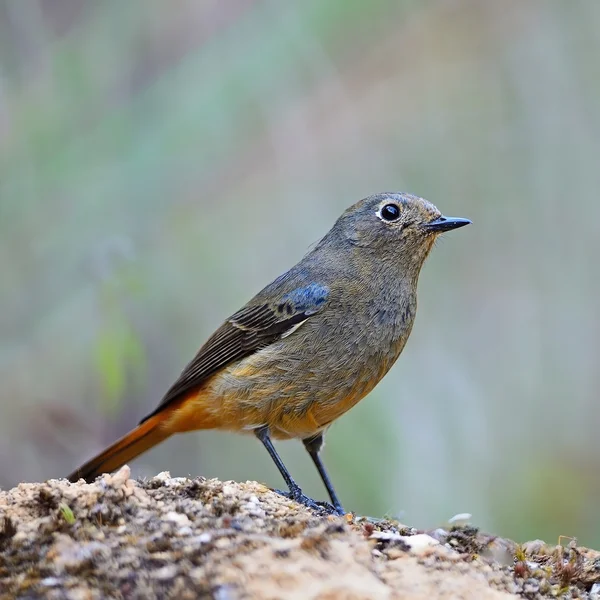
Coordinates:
(189, 538)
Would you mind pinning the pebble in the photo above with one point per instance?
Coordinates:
(167, 572)
(177, 518)
(460, 519)
(229, 490)
(418, 543)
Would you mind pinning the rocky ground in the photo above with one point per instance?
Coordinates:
(196, 538)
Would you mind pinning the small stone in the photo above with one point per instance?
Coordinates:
(228, 490)
(161, 477)
(439, 534)
(394, 553)
(460, 519)
(203, 538)
(385, 535)
(226, 592)
(79, 594)
(535, 547)
(19, 537)
(197, 574)
(178, 480)
(177, 518)
(119, 478)
(254, 509)
(164, 573)
(420, 542)
(531, 586)
(416, 543)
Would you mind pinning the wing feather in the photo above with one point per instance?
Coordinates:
(250, 329)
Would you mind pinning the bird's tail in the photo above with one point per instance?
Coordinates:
(138, 440)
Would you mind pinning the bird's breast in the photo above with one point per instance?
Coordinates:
(303, 382)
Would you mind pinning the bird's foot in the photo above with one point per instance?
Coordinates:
(322, 507)
(330, 508)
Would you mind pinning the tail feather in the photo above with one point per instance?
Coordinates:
(138, 440)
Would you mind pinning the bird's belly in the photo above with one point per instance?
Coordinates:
(296, 396)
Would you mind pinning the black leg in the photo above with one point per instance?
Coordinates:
(295, 493)
(313, 445)
(263, 435)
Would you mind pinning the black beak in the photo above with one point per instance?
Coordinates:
(446, 223)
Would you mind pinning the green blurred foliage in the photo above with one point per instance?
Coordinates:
(161, 161)
(120, 358)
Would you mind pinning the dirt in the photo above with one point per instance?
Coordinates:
(196, 538)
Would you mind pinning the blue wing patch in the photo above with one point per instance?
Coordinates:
(307, 300)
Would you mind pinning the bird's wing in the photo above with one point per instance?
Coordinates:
(250, 329)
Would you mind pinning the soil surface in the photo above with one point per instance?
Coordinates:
(196, 538)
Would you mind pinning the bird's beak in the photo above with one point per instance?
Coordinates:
(446, 224)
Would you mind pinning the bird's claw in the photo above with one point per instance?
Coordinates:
(330, 508)
(318, 505)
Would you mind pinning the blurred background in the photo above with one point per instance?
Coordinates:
(160, 162)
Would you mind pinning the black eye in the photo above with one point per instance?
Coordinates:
(390, 212)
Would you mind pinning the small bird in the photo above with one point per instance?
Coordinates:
(307, 347)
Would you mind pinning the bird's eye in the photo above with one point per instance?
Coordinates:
(390, 212)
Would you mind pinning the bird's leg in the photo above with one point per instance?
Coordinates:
(313, 446)
(295, 493)
(262, 433)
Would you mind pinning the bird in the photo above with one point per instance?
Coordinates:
(306, 348)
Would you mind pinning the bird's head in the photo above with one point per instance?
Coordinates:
(395, 226)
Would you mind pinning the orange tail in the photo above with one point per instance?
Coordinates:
(138, 440)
